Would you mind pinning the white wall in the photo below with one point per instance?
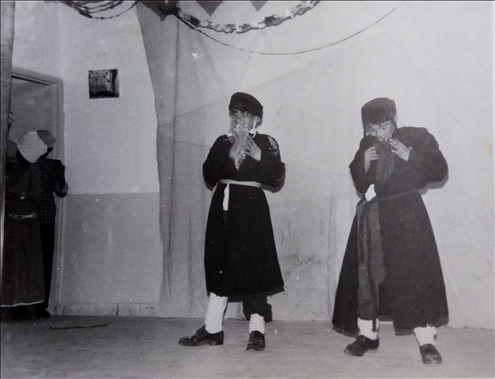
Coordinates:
(111, 256)
(37, 37)
(111, 143)
(112, 251)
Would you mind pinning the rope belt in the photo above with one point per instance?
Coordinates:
(226, 192)
(370, 245)
(21, 217)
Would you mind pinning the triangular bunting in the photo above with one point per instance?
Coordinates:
(258, 4)
(209, 6)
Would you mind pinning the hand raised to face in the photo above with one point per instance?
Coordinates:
(400, 149)
(253, 150)
(370, 154)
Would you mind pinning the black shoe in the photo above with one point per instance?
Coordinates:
(430, 354)
(256, 341)
(202, 337)
(361, 346)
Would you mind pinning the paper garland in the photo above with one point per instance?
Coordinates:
(273, 20)
(87, 8)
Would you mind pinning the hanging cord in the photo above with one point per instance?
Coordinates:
(176, 13)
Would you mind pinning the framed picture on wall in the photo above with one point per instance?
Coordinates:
(103, 83)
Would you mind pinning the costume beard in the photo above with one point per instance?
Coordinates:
(385, 164)
(239, 137)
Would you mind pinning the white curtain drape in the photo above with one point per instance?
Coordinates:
(312, 107)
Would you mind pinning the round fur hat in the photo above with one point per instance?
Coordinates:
(241, 101)
(378, 110)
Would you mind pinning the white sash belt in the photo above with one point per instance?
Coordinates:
(227, 189)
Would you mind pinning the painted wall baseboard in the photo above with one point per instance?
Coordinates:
(96, 309)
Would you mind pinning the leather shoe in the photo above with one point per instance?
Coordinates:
(430, 354)
(202, 337)
(361, 345)
(256, 341)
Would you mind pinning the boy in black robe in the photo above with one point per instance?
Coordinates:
(391, 261)
(241, 261)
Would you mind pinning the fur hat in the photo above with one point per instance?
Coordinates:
(378, 110)
(241, 101)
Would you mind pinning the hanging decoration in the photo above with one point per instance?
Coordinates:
(272, 20)
(107, 9)
(166, 7)
(162, 8)
(192, 26)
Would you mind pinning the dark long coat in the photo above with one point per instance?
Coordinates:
(413, 292)
(22, 270)
(240, 254)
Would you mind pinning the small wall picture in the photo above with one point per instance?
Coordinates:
(103, 83)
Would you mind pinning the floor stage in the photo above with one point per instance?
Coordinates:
(145, 347)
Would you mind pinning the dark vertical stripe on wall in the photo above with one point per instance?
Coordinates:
(8, 11)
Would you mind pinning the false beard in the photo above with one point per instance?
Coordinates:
(238, 138)
(385, 165)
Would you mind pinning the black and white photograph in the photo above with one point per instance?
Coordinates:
(247, 189)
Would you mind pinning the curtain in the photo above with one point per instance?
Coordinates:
(312, 99)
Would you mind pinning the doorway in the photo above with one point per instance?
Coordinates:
(37, 103)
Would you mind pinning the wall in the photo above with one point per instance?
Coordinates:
(111, 252)
(37, 37)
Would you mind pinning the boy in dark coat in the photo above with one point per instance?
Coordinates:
(241, 261)
(391, 264)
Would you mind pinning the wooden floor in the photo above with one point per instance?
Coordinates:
(137, 347)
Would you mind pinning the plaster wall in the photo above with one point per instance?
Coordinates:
(110, 259)
(37, 37)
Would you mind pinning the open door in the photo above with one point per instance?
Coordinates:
(37, 103)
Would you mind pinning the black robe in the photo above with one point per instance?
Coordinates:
(22, 269)
(413, 293)
(240, 254)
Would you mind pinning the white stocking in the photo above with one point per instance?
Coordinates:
(256, 322)
(425, 335)
(214, 313)
(366, 328)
